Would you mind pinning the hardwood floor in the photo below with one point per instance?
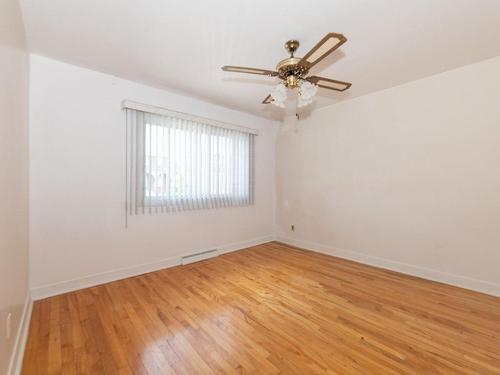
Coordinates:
(266, 310)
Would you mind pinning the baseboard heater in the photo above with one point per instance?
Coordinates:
(198, 256)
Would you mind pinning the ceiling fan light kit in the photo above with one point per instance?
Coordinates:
(293, 72)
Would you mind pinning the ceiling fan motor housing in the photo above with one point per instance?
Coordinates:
(290, 67)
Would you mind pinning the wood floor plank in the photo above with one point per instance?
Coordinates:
(270, 309)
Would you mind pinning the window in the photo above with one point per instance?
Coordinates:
(177, 162)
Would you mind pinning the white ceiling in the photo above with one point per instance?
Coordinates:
(181, 44)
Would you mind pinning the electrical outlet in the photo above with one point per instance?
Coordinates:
(292, 227)
(8, 326)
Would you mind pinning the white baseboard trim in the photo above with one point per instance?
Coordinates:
(123, 273)
(16, 359)
(409, 269)
(66, 286)
(235, 246)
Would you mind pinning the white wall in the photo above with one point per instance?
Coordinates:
(77, 182)
(13, 174)
(407, 178)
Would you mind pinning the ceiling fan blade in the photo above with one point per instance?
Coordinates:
(268, 100)
(242, 69)
(328, 83)
(325, 46)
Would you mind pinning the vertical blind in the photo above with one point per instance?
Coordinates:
(177, 163)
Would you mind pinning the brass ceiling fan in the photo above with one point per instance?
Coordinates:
(293, 72)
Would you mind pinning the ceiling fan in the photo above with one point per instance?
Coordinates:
(293, 72)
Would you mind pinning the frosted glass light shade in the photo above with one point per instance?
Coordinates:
(279, 95)
(307, 91)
